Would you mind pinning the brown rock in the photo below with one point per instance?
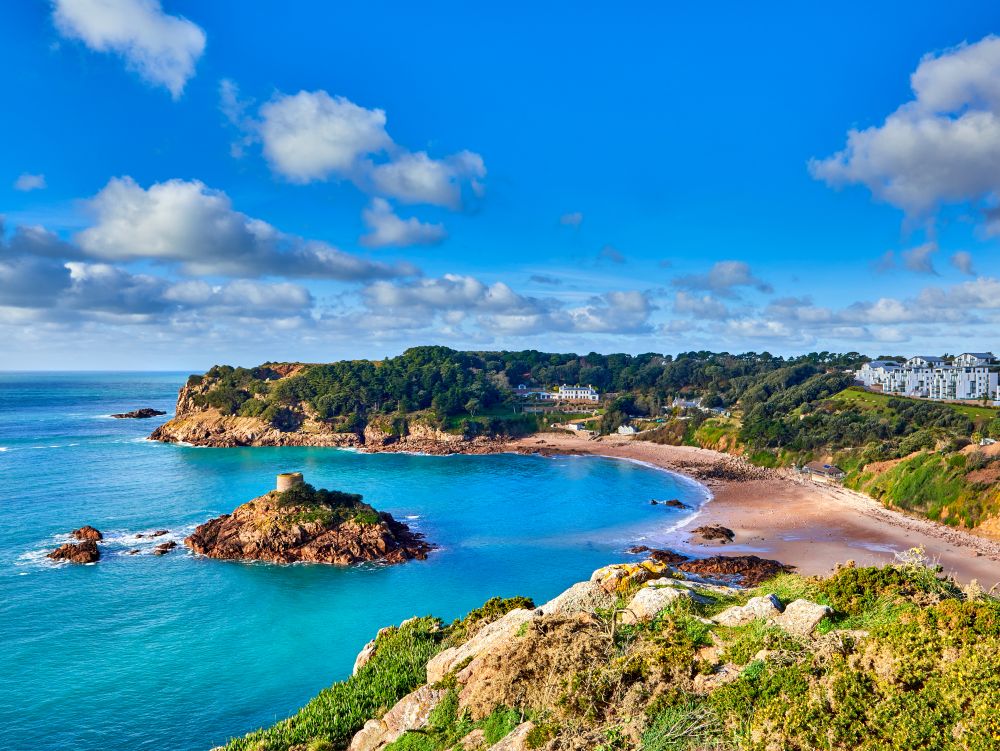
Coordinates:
(164, 547)
(87, 533)
(713, 532)
(159, 533)
(747, 570)
(668, 556)
(80, 552)
(139, 414)
(675, 503)
(265, 529)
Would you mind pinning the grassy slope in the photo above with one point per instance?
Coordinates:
(858, 396)
(908, 662)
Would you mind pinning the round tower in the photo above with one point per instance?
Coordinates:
(288, 480)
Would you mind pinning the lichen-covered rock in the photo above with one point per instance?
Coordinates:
(649, 601)
(515, 740)
(474, 741)
(488, 636)
(80, 552)
(801, 617)
(582, 597)
(621, 576)
(409, 713)
(766, 607)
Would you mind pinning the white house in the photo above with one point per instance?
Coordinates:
(564, 393)
(971, 375)
(627, 430)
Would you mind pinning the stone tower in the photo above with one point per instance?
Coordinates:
(288, 480)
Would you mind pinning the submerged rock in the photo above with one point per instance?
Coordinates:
(79, 552)
(164, 547)
(139, 414)
(305, 524)
(87, 532)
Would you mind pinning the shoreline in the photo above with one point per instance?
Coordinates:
(776, 514)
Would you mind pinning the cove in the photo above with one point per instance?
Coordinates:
(183, 652)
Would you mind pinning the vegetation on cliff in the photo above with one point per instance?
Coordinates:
(906, 660)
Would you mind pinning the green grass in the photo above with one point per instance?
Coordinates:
(858, 396)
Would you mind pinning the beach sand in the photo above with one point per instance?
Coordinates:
(778, 514)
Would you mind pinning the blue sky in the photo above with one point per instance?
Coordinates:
(186, 183)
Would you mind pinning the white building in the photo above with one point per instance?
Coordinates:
(971, 375)
(564, 393)
(627, 430)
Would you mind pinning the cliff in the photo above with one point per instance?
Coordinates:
(639, 657)
(305, 524)
(200, 424)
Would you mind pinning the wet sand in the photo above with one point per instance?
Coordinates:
(778, 514)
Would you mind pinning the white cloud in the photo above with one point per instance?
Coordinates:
(611, 253)
(161, 48)
(312, 136)
(187, 223)
(28, 182)
(572, 219)
(723, 277)
(387, 229)
(941, 147)
(699, 306)
(416, 178)
(962, 260)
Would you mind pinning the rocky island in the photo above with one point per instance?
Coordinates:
(298, 523)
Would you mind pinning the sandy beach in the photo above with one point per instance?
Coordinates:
(777, 514)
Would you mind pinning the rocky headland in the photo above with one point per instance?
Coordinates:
(303, 524)
(647, 656)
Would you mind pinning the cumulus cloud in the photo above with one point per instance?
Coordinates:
(941, 147)
(161, 48)
(699, 306)
(187, 223)
(387, 229)
(497, 308)
(28, 182)
(312, 136)
(723, 278)
(962, 260)
(572, 219)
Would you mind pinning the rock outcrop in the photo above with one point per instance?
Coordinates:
(765, 607)
(314, 526)
(87, 532)
(409, 713)
(714, 533)
(139, 414)
(745, 570)
(78, 552)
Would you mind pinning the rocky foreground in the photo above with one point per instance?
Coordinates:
(308, 525)
(642, 656)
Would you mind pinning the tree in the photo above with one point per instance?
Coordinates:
(472, 406)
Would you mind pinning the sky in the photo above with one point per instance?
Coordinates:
(186, 183)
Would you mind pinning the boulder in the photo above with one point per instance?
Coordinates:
(748, 570)
(159, 533)
(87, 533)
(582, 597)
(649, 601)
(474, 741)
(620, 576)
(675, 503)
(364, 656)
(766, 607)
(802, 616)
(488, 636)
(515, 740)
(409, 713)
(80, 552)
(714, 533)
(164, 547)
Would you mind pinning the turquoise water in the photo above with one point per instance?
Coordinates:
(182, 652)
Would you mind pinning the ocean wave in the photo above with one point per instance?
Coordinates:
(4, 448)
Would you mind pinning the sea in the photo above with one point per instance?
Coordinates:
(184, 652)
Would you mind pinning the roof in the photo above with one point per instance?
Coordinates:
(883, 364)
(928, 358)
(981, 355)
(821, 468)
